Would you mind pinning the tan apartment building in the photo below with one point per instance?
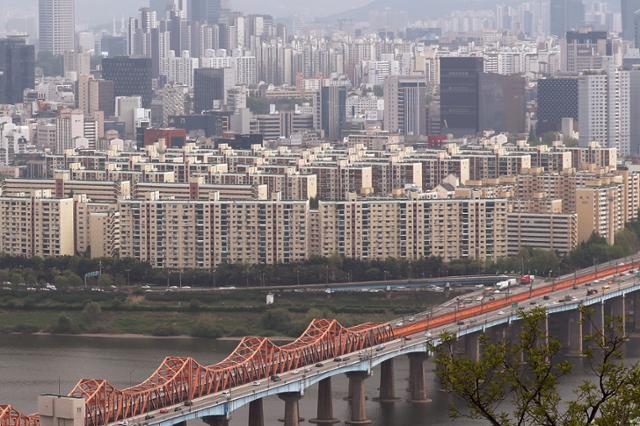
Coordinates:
(556, 232)
(178, 234)
(36, 224)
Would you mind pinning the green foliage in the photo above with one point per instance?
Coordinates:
(165, 330)
(276, 319)
(63, 325)
(206, 327)
(91, 313)
(524, 373)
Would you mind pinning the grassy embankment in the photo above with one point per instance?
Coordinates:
(212, 314)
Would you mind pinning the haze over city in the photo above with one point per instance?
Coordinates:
(386, 212)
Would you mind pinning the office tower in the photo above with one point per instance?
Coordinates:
(582, 51)
(208, 84)
(160, 7)
(57, 25)
(565, 15)
(69, 127)
(332, 101)
(405, 108)
(628, 8)
(205, 11)
(502, 103)
(557, 99)
(180, 32)
(113, 45)
(604, 109)
(17, 69)
(131, 77)
(460, 94)
(96, 95)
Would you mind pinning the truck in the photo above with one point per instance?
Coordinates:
(527, 279)
(506, 283)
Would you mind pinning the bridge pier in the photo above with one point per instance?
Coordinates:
(472, 346)
(291, 408)
(182, 423)
(617, 314)
(358, 401)
(325, 404)
(417, 386)
(636, 311)
(575, 334)
(212, 421)
(256, 413)
(387, 385)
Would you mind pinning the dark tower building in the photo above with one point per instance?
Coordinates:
(131, 77)
(113, 45)
(333, 111)
(502, 103)
(17, 69)
(628, 8)
(557, 99)
(208, 86)
(205, 11)
(460, 94)
(565, 15)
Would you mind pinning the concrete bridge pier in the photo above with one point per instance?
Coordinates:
(574, 333)
(358, 400)
(325, 404)
(417, 386)
(182, 423)
(635, 300)
(212, 421)
(617, 313)
(387, 386)
(291, 408)
(472, 346)
(256, 413)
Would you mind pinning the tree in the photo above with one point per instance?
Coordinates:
(105, 280)
(91, 312)
(524, 374)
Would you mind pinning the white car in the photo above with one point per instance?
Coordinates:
(256, 383)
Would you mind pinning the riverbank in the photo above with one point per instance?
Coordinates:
(229, 315)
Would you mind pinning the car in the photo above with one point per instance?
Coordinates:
(307, 370)
(500, 312)
(337, 359)
(399, 324)
(411, 319)
(533, 302)
(256, 383)
(379, 348)
(592, 292)
(606, 287)
(188, 403)
(146, 287)
(275, 378)
(186, 287)
(318, 365)
(297, 371)
(163, 411)
(177, 409)
(226, 393)
(460, 322)
(547, 297)
(148, 417)
(407, 338)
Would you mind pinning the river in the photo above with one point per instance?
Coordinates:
(31, 365)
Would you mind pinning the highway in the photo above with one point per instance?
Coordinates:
(419, 332)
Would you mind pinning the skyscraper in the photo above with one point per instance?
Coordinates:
(584, 50)
(333, 111)
(502, 103)
(460, 94)
(205, 11)
(57, 25)
(628, 8)
(208, 86)
(17, 69)
(131, 77)
(565, 15)
(405, 108)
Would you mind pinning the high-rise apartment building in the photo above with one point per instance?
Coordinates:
(604, 107)
(17, 69)
(209, 87)
(56, 26)
(131, 77)
(460, 94)
(405, 105)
